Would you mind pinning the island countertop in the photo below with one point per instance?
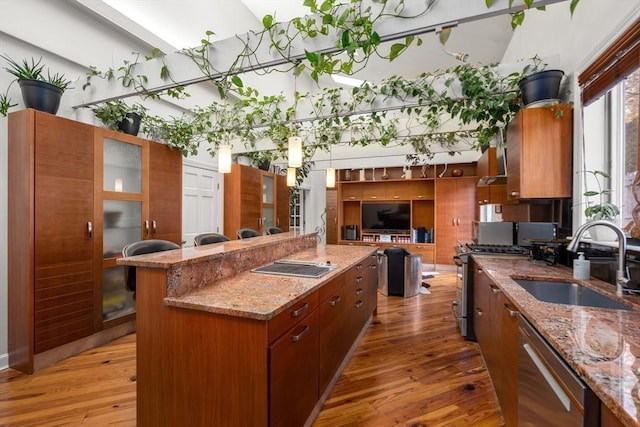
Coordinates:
(263, 296)
(601, 345)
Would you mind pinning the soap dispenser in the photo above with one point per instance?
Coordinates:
(581, 267)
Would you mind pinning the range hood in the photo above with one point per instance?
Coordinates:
(501, 176)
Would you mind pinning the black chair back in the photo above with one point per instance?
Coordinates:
(246, 233)
(207, 238)
(274, 230)
(139, 248)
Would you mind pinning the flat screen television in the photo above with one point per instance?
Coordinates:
(386, 217)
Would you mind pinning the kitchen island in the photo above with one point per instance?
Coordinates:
(218, 344)
(601, 345)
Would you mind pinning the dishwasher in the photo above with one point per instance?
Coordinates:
(549, 392)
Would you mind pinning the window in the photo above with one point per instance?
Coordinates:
(610, 88)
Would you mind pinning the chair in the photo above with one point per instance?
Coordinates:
(246, 233)
(274, 230)
(139, 248)
(207, 238)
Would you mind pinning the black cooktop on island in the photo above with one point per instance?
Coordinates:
(497, 249)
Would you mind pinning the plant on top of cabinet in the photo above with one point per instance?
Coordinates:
(39, 91)
(117, 115)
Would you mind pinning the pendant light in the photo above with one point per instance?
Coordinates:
(291, 177)
(331, 173)
(224, 159)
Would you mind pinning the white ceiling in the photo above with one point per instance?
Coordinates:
(183, 23)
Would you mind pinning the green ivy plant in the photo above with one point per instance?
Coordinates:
(602, 209)
(112, 113)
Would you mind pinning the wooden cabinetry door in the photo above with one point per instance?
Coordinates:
(250, 209)
(334, 342)
(455, 213)
(332, 216)
(539, 153)
(283, 203)
(63, 237)
(351, 191)
(165, 193)
(293, 373)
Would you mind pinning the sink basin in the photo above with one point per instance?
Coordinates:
(568, 293)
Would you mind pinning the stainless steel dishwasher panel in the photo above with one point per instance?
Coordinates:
(550, 394)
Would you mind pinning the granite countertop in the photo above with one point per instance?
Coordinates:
(601, 345)
(263, 296)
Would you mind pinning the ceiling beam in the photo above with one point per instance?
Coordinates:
(443, 13)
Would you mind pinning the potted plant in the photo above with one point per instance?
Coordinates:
(119, 116)
(39, 91)
(540, 86)
(600, 207)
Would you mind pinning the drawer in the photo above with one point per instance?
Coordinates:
(298, 311)
(331, 288)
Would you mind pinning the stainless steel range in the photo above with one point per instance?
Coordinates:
(462, 306)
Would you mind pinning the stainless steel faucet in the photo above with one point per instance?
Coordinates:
(622, 274)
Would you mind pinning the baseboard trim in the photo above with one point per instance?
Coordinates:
(4, 361)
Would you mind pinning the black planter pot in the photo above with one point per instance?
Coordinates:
(40, 95)
(264, 165)
(131, 124)
(540, 86)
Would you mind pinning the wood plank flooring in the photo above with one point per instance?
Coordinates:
(411, 369)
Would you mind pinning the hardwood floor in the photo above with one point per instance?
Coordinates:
(411, 369)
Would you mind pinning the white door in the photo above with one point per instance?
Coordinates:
(201, 202)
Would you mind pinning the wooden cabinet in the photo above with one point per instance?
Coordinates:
(332, 216)
(50, 231)
(493, 193)
(455, 213)
(496, 327)
(334, 342)
(293, 369)
(282, 203)
(539, 155)
(62, 231)
(254, 199)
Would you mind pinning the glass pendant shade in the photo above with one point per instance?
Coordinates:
(331, 177)
(224, 159)
(295, 151)
(291, 177)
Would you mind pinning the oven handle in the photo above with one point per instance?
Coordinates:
(455, 304)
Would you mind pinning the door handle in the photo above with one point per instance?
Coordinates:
(154, 227)
(299, 311)
(146, 227)
(296, 338)
(512, 313)
(557, 389)
(89, 230)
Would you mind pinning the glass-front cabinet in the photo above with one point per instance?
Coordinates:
(268, 202)
(123, 212)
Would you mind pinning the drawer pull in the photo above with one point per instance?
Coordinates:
(479, 312)
(359, 291)
(359, 279)
(299, 311)
(296, 338)
(512, 313)
(358, 304)
(359, 267)
(494, 289)
(335, 301)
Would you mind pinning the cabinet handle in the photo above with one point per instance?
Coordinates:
(421, 197)
(335, 301)
(359, 291)
(358, 304)
(278, 222)
(512, 313)
(514, 194)
(373, 266)
(296, 338)
(89, 230)
(494, 289)
(358, 279)
(373, 197)
(146, 227)
(396, 197)
(479, 312)
(359, 267)
(453, 221)
(154, 227)
(352, 197)
(479, 271)
(299, 311)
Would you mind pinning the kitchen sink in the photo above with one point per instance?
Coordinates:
(568, 293)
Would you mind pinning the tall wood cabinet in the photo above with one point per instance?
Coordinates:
(493, 192)
(62, 216)
(455, 213)
(254, 199)
(539, 158)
